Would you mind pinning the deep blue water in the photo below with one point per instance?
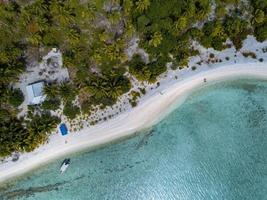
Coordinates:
(214, 146)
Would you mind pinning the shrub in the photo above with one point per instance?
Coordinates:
(220, 10)
(259, 17)
(142, 90)
(86, 107)
(51, 104)
(135, 95)
(195, 52)
(70, 110)
(51, 90)
(16, 97)
(142, 21)
(4, 114)
(67, 92)
(261, 33)
(217, 44)
(211, 55)
(133, 103)
(249, 54)
(156, 68)
(195, 33)
(139, 69)
(206, 41)
(194, 68)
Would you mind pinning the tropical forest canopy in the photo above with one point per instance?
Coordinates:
(93, 36)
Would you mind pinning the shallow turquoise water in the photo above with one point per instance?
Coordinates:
(214, 146)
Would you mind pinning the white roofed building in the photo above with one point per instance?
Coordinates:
(35, 93)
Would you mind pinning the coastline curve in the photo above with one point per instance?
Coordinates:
(145, 115)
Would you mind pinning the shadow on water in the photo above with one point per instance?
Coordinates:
(256, 116)
(122, 167)
(31, 191)
(145, 139)
(245, 86)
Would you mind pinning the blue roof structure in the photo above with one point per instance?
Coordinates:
(63, 129)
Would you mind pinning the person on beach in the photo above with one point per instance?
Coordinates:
(205, 80)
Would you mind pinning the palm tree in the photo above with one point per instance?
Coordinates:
(39, 129)
(42, 124)
(142, 5)
(10, 73)
(12, 133)
(51, 91)
(259, 17)
(156, 39)
(61, 13)
(179, 26)
(73, 36)
(67, 91)
(127, 6)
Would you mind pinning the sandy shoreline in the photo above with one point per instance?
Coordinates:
(147, 113)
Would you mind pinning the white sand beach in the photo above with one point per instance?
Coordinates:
(147, 113)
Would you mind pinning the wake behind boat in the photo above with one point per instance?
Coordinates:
(65, 164)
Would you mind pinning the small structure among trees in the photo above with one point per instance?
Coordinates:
(35, 93)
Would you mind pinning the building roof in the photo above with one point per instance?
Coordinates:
(35, 93)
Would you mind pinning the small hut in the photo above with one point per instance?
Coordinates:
(35, 93)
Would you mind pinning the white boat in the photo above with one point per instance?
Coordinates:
(65, 164)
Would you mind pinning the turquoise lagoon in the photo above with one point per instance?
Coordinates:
(214, 146)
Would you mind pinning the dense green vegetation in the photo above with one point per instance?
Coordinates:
(70, 110)
(259, 19)
(51, 104)
(147, 72)
(166, 29)
(18, 135)
(105, 89)
(93, 36)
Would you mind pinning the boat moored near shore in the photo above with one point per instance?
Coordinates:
(65, 164)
